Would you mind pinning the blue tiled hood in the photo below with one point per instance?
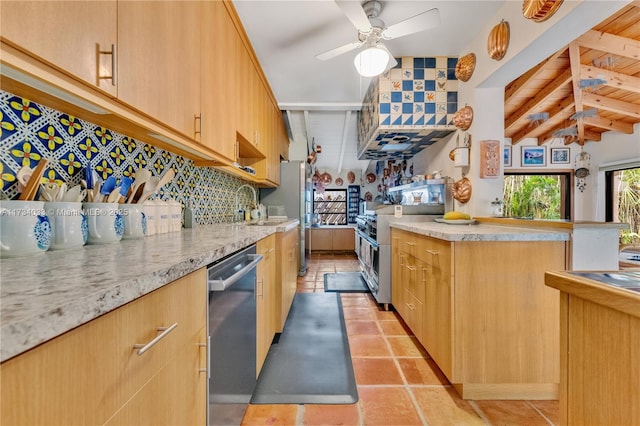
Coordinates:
(408, 108)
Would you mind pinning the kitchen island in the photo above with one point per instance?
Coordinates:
(599, 346)
(474, 296)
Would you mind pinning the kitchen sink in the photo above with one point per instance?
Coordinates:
(267, 223)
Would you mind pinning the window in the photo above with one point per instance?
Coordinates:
(330, 207)
(537, 196)
(623, 201)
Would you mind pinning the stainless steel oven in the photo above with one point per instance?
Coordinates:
(368, 252)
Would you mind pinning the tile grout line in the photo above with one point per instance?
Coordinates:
(479, 411)
(540, 412)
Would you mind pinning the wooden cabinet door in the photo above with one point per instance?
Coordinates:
(65, 34)
(220, 44)
(436, 277)
(265, 299)
(396, 266)
(321, 239)
(344, 239)
(288, 268)
(159, 60)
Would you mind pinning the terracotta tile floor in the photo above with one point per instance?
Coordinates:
(398, 384)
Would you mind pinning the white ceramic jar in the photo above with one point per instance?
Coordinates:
(135, 221)
(104, 222)
(175, 213)
(149, 209)
(162, 213)
(69, 226)
(24, 228)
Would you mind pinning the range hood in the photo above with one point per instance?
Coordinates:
(408, 108)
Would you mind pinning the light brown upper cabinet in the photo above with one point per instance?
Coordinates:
(159, 60)
(220, 43)
(66, 34)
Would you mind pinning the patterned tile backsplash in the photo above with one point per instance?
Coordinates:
(29, 132)
(417, 98)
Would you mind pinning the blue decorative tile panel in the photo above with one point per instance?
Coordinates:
(416, 94)
(30, 132)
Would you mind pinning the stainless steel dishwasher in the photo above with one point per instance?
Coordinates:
(232, 331)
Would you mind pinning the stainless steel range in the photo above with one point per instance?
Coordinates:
(373, 243)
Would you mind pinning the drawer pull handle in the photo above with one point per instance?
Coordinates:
(142, 348)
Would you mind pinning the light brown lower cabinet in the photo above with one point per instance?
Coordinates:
(94, 375)
(287, 244)
(482, 311)
(265, 299)
(328, 239)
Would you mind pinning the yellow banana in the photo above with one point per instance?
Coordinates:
(454, 215)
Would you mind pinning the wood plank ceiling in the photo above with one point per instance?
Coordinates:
(589, 87)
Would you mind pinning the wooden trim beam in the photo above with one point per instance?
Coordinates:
(530, 106)
(614, 79)
(520, 83)
(612, 105)
(562, 110)
(574, 61)
(603, 123)
(609, 43)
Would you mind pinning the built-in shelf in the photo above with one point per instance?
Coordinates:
(422, 184)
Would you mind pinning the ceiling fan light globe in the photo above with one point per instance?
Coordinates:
(371, 61)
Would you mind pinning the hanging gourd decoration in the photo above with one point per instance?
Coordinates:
(540, 10)
(498, 41)
(465, 67)
(463, 118)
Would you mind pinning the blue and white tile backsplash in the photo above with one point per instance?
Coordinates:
(29, 132)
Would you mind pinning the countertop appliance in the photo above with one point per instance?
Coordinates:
(231, 323)
(373, 243)
(295, 193)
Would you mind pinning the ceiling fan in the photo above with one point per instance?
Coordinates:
(376, 58)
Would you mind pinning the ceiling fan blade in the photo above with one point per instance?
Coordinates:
(415, 24)
(338, 51)
(355, 13)
(392, 61)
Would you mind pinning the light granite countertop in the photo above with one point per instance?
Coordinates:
(45, 295)
(481, 232)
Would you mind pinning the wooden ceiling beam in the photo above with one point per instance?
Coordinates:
(612, 105)
(532, 104)
(574, 61)
(521, 83)
(603, 123)
(560, 111)
(609, 43)
(592, 136)
(614, 79)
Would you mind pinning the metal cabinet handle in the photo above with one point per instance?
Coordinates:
(114, 64)
(208, 346)
(142, 347)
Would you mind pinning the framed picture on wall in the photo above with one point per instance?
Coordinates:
(533, 156)
(559, 155)
(506, 156)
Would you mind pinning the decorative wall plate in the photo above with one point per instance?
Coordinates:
(465, 67)
(339, 181)
(498, 40)
(351, 177)
(371, 178)
(540, 10)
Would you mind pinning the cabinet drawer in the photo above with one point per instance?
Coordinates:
(95, 368)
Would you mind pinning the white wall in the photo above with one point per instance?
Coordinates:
(529, 44)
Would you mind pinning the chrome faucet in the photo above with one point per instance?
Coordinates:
(255, 199)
